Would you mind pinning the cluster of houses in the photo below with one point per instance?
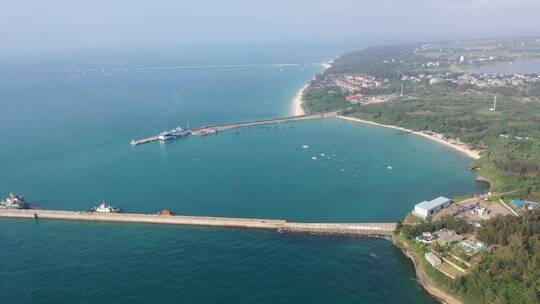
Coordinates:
(494, 80)
(354, 83)
(445, 259)
(469, 246)
(367, 100)
(442, 237)
(478, 80)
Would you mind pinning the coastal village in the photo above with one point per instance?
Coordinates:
(464, 249)
(450, 252)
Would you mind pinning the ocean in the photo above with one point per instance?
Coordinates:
(65, 133)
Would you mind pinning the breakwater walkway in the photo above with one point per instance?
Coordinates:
(352, 229)
(213, 129)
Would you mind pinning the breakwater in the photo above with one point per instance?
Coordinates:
(213, 129)
(353, 229)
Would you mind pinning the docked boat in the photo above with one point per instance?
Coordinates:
(173, 134)
(104, 207)
(14, 202)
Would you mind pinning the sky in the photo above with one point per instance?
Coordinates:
(37, 26)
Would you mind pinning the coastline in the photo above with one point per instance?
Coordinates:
(424, 280)
(422, 277)
(296, 106)
(467, 151)
(296, 103)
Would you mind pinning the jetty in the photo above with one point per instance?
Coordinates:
(214, 129)
(384, 230)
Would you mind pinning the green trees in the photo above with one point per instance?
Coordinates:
(512, 273)
(322, 100)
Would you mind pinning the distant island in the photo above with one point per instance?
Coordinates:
(484, 249)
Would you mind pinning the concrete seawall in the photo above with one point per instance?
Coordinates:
(356, 229)
(214, 129)
(363, 229)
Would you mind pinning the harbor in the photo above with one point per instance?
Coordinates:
(214, 129)
(384, 230)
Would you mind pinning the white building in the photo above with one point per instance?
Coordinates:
(425, 238)
(426, 209)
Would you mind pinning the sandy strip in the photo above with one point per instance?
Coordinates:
(296, 106)
(296, 103)
(458, 147)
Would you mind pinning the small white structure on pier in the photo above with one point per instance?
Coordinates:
(426, 209)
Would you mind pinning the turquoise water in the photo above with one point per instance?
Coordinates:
(65, 146)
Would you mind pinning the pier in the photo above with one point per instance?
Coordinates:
(350, 229)
(213, 129)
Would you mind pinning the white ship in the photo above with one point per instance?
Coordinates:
(14, 202)
(104, 207)
(172, 134)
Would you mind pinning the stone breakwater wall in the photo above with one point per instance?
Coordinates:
(355, 229)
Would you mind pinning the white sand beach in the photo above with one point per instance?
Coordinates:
(296, 106)
(474, 154)
(296, 103)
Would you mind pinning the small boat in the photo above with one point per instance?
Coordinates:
(104, 207)
(314, 158)
(389, 167)
(305, 146)
(14, 202)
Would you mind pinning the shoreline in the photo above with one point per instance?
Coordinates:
(467, 151)
(296, 102)
(296, 105)
(424, 280)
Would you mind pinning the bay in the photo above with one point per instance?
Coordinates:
(66, 145)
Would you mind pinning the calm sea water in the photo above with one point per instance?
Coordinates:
(65, 145)
(517, 67)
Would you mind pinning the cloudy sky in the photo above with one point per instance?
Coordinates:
(30, 26)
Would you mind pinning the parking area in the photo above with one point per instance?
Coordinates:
(473, 210)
